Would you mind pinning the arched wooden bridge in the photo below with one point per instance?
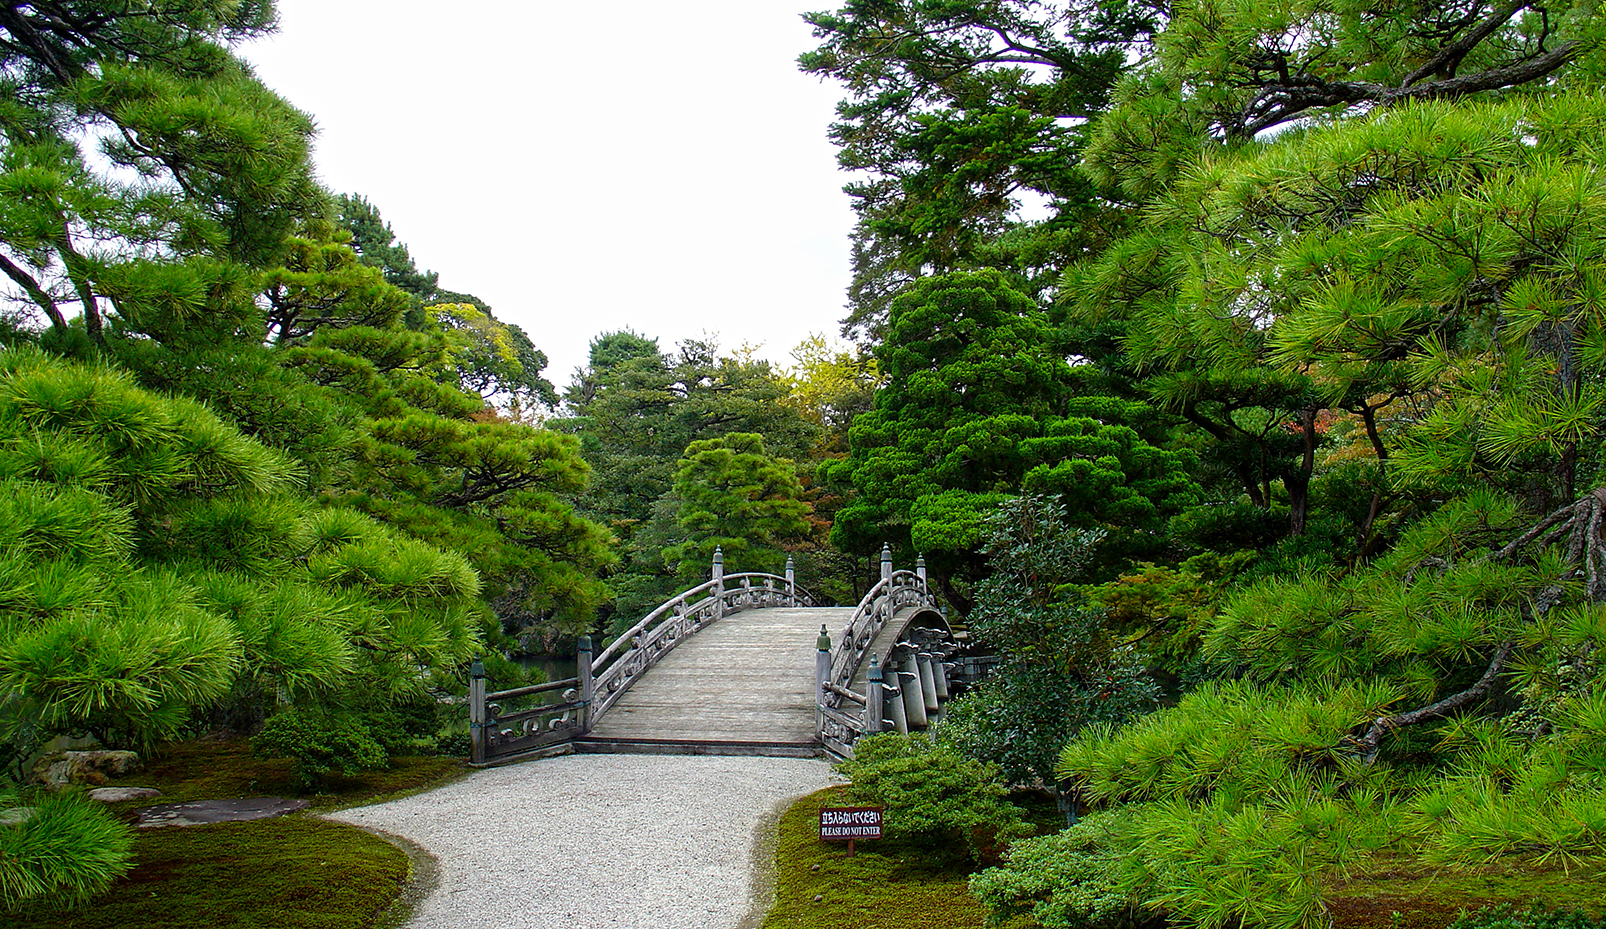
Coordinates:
(744, 664)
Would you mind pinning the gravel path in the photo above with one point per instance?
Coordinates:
(587, 841)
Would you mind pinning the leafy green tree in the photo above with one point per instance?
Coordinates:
(977, 404)
(376, 246)
(1423, 266)
(829, 387)
(636, 409)
(159, 563)
(734, 495)
(1063, 662)
(493, 359)
(321, 284)
(202, 170)
(958, 112)
(1231, 268)
(431, 461)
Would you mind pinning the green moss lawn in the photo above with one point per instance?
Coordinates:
(294, 872)
(885, 885)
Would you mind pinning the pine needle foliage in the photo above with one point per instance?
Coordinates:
(156, 563)
(60, 845)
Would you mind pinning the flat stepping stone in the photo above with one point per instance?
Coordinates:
(203, 812)
(119, 794)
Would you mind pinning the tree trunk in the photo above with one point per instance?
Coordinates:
(1298, 482)
(1364, 538)
(956, 600)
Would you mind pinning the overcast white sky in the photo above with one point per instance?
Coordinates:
(587, 167)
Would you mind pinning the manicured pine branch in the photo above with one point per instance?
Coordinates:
(1372, 741)
(35, 293)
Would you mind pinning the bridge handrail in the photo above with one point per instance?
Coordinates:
(875, 610)
(643, 644)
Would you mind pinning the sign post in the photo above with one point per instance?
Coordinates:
(849, 823)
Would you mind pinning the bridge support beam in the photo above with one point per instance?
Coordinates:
(914, 702)
(875, 710)
(928, 683)
(900, 716)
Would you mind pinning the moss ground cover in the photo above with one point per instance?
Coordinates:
(1417, 898)
(296, 872)
(289, 873)
(209, 769)
(886, 885)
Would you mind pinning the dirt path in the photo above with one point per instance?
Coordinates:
(589, 841)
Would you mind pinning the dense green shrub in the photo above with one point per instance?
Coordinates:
(1022, 717)
(1063, 663)
(1068, 880)
(62, 845)
(318, 742)
(933, 796)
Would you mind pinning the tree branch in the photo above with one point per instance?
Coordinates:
(1451, 56)
(35, 292)
(1372, 741)
(1279, 103)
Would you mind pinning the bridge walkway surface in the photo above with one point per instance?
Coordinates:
(744, 684)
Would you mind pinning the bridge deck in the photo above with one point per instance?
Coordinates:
(747, 677)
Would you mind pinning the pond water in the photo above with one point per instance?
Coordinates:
(555, 667)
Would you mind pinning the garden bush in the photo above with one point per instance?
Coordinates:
(318, 742)
(61, 845)
(933, 796)
(1068, 880)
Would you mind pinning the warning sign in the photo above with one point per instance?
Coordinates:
(842, 823)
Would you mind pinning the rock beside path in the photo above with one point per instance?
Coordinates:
(596, 841)
(59, 769)
(119, 794)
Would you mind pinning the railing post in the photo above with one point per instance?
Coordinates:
(476, 712)
(920, 571)
(719, 582)
(822, 673)
(886, 562)
(874, 711)
(822, 664)
(582, 664)
(791, 582)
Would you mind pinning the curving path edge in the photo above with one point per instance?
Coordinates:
(587, 841)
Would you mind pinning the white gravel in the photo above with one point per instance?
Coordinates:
(587, 841)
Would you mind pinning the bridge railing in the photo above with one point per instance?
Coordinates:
(648, 641)
(844, 714)
(496, 733)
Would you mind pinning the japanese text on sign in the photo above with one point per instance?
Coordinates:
(852, 822)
